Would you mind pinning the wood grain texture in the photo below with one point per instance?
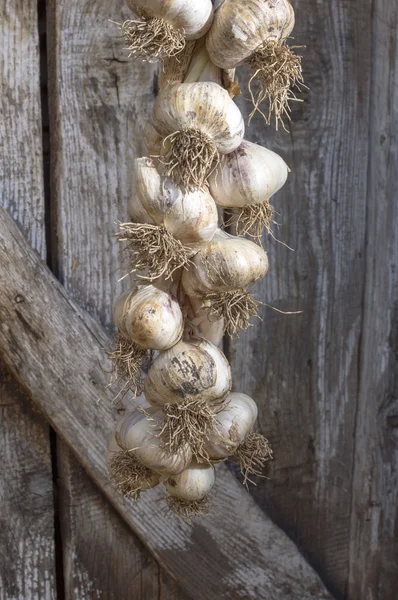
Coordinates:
(374, 509)
(303, 370)
(27, 566)
(235, 553)
(95, 103)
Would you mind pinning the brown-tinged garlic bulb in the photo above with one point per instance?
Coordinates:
(233, 424)
(246, 179)
(200, 122)
(193, 484)
(138, 433)
(226, 264)
(162, 28)
(255, 32)
(129, 475)
(149, 317)
(188, 371)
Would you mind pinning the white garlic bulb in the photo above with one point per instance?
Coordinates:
(197, 371)
(225, 264)
(193, 17)
(138, 433)
(205, 107)
(149, 481)
(190, 217)
(150, 317)
(240, 27)
(193, 484)
(233, 424)
(249, 175)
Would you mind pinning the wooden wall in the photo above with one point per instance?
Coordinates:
(325, 380)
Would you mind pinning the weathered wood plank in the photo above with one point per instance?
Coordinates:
(96, 105)
(303, 369)
(238, 551)
(374, 518)
(27, 565)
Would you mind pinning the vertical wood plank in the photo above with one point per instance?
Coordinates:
(99, 104)
(303, 369)
(374, 514)
(27, 566)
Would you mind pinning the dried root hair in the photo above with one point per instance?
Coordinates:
(252, 454)
(153, 249)
(188, 510)
(128, 361)
(152, 38)
(276, 71)
(252, 220)
(191, 422)
(129, 474)
(236, 307)
(191, 159)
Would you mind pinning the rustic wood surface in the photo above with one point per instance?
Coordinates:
(27, 558)
(237, 551)
(324, 380)
(92, 116)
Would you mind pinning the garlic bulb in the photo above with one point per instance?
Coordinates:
(193, 484)
(200, 121)
(233, 424)
(190, 217)
(188, 371)
(202, 106)
(137, 432)
(240, 27)
(227, 263)
(249, 175)
(150, 317)
(192, 17)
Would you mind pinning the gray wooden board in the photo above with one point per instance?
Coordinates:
(238, 551)
(96, 106)
(27, 566)
(320, 378)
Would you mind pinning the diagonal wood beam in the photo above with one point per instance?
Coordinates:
(55, 349)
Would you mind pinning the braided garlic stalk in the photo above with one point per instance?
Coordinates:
(192, 277)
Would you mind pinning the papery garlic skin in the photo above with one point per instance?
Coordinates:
(138, 433)
(196, 371)
(150, 317)
(194, 17)
(193, 484)
(225, 264)
(234, 423)
(240, 27)
(114, 449)
(249, 175)
(204, 107)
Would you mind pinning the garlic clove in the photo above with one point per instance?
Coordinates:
(233, 424)
(249, 175)
(193, 484)
(187, 372)
(149, 317)
(138, 433)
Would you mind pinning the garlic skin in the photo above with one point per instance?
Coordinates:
(227, 263)
(190, 217)
(249, 175)
(194, 17)
(188, 371)
(137, 433)
(114, 449)
(204, 107)
(150, 317)
(193, 484)
(234, 423)
(240, 27)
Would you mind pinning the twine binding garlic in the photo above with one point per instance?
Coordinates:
(192, 279)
